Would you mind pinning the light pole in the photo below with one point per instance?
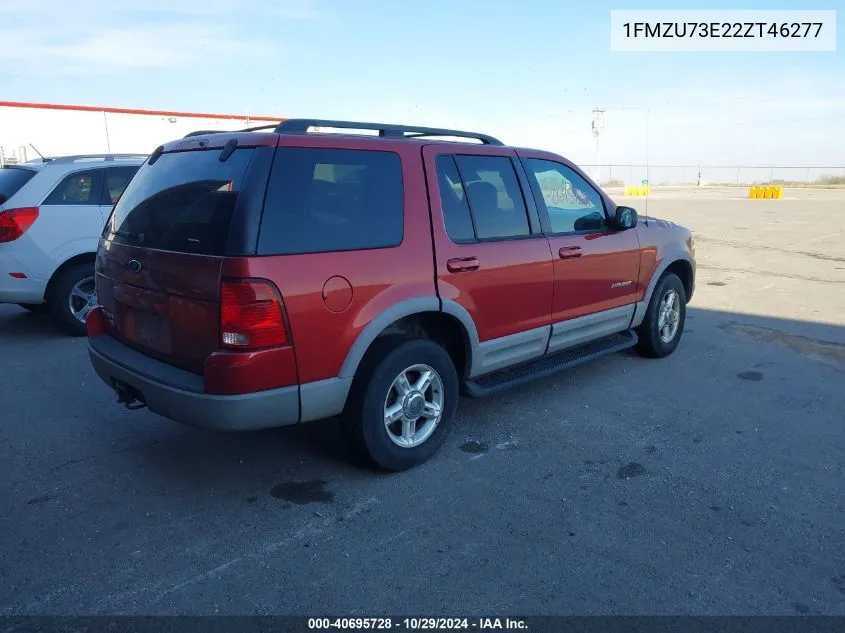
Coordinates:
(647, 138)
(598, 126)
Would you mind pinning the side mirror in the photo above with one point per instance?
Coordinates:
(625, 218)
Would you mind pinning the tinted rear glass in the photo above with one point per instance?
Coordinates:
(321, 200)
(12, 179)
(183, 202)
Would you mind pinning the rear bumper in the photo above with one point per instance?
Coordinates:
(178, 395)
(13, 290)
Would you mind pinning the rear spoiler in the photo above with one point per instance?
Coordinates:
(203, 133)
(249, 129)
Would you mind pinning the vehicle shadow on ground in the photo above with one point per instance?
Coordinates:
(237, 462)
(19, 324)
(318, 449)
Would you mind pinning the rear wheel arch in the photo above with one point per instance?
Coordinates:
(419, 317)
(68, 311)
(439, 327)
(82, 258)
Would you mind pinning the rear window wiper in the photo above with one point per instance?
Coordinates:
(138, 237)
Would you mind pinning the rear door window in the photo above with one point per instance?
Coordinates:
(78, 188)
(12, 179)
(495, 198)
(453, 201)
(115, 181)
(183, 202)
(322, 200)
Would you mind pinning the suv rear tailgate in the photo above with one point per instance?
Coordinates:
(155, 310)
(159, 263)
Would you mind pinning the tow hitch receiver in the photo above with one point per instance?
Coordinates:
(128, 396)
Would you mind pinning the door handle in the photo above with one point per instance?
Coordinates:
(462, 264)
(569, 252)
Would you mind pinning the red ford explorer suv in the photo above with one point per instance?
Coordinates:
(264, 278)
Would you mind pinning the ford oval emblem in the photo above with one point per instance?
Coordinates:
(134, 266)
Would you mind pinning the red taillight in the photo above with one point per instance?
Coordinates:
(15, 222)
(251, 315)
(95, 322)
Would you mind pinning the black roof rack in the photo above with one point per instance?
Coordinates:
(81, 157)
(301, 126)
(202, 133)
(386, 130)
(271, 126)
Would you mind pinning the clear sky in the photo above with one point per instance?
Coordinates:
(529, 72)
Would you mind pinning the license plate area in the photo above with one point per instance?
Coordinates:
(143, 317)
(147, 329)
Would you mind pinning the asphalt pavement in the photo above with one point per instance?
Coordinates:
(710, 482)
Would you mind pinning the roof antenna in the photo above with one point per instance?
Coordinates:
(37, 152)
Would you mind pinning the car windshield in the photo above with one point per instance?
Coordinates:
(12, 179)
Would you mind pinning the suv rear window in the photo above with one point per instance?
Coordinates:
(183, 202)
(322, 200)
(12, 179)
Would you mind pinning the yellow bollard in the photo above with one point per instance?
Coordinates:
(751, 193)
(767, 193)
(780, 192)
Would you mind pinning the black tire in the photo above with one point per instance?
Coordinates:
(651, 344)
(36, 308)
(363, 419)
(59, 297)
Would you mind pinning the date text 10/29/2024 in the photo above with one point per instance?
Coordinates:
(418, 624)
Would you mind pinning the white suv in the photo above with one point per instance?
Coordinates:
(52, 213)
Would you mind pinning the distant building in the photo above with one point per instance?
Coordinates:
(57, 129)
